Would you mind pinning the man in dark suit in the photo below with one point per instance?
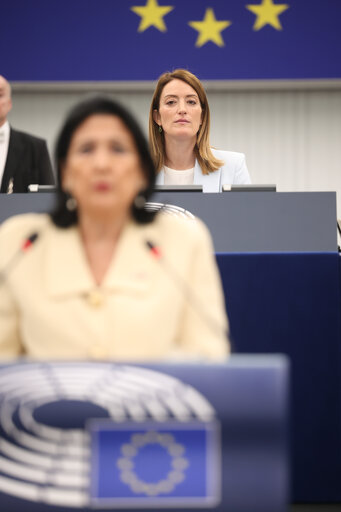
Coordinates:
(24, 159)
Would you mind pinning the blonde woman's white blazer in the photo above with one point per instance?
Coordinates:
(233, 172)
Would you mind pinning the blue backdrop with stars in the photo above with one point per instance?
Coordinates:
(109, 40)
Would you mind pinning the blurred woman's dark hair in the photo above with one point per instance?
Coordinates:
(90, 106)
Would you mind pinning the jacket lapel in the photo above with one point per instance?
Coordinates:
(160, 177)
(67, 271)
(132, 267)
(210, 182)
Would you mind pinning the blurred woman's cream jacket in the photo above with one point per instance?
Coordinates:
(51, 307)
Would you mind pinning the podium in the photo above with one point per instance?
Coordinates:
(159, 436)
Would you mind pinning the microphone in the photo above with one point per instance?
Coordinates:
(24, 248)
(187, 292)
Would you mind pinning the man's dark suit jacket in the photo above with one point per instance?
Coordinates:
(28, 162)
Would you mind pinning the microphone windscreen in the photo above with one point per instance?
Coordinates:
(29, 241)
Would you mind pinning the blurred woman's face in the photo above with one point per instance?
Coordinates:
(180, 112)
(102, 170)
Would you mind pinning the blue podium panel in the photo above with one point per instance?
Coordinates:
(104, 436)
(290, 303)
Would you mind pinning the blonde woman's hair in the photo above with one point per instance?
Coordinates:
(203, 153)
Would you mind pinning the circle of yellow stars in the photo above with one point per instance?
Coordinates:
(209, 28)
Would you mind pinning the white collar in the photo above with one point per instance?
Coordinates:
(169, 170)
(4, 129)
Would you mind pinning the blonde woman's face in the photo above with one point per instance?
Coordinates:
(180, 112)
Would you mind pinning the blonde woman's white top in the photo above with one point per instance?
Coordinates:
(175, 177)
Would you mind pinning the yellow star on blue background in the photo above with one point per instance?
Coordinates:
(209, 29)
(267, 14)
(152, 15)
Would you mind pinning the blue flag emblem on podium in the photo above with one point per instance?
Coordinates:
(155, 464)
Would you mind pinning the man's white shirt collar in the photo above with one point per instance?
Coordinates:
(4, 142)
(4, 131)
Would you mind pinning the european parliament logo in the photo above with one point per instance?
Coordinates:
(90, 435)
(155, 465)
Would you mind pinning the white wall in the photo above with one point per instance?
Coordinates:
(291, 137)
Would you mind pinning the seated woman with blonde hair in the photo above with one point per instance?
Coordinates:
(179, 128)
(90, 287)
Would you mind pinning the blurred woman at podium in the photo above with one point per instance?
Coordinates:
(179, 129)
(103, 276)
